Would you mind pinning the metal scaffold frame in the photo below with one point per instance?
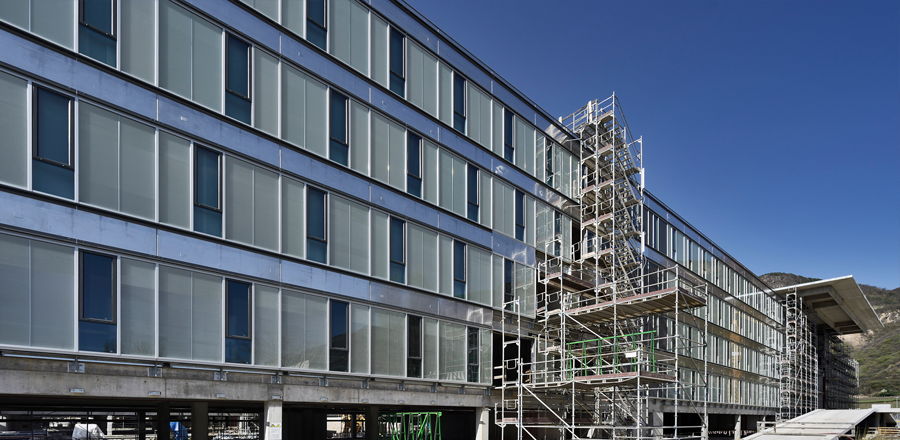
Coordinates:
(603, 358)
(798, 366)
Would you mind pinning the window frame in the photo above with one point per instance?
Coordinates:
(113, 287)
(323, 26)
(457, 79)
(249, 336)
(404, 235)
(473, 190)
(457, 244)
(470, 366)
(509, 135)
(333, 93)
(509, 286)
(347, 327)
(249, 97)
(324, 238)
(417, 175)
(549, 174)
(35, 127)
(219, 178)
(113, 25)
(400, 76)
(519, 214)
(421, 346)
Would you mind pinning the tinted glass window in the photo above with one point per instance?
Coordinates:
(338, 148)
(508, 149)
(459, 269)
(472, 354)
(53, 127)
(238, 305)
(397, 80)
(206, 169)
(507, 282)
(397, 248)
(237, 79)
(414, 346)
(459, 103)
(315, 232)
(98, 14)
(472, 193)
(520, 215)
(97, 328)
(315, 23)
(339, 353)
(413, 164)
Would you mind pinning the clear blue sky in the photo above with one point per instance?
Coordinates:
(772, 126)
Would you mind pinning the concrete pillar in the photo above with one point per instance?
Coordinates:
(482, 423)
(372, 422)
(737, 427)
(656, 421)
(141, 427)
(162, 422)
(274, 422)
(199, 421)
(704, 434)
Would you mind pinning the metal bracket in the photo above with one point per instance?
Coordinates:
(154, 372)
(220, 376)
(76, 367)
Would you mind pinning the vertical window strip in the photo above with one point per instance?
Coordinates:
(397, 64)
(509, 150)
(413, 164)
(520, 215)
(398, 250)
(316, 219)
(238, 322)
(338, 150)
(237, 79)
(459, 269)
(459, 103)
(207, 191)
(97, 30)
(316, 28)
(97, 303)
(472, 193)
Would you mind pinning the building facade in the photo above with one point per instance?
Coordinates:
(292, 218)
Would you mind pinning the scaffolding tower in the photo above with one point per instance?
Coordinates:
(615, 342)
(798, 368)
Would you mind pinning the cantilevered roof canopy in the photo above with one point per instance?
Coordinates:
(838, 303)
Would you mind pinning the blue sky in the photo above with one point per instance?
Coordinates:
(772, 126)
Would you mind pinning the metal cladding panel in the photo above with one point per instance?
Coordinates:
(392, 12)
(56, 67)
(212, 129)
(398, 296)
(465, 147)
(398, 203)
(114, 233)
(27, 213)
(240, 19)
(513, 249)
(317, 172)
(461, 228)
(455, 309)
(323, 66)
(402, 111)
(209, 254)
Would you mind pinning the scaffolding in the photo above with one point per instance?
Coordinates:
(798, 368)
(615, 342)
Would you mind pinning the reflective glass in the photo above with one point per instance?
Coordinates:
(206, 180)
(97, 336)
(339, 354)
(472, 193)
(398, 262)
(459, 269)
(97, 286)
(53, 127)
(53, 179)
(207, 221)
(238, 307)
(237, 350)
(237, 62)
(97, 45)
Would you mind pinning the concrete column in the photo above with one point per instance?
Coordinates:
(656, 422)
(162, 422)
(274, 424)
(704, 434)
(482, 423)
(737, 427)
(141, 427)
(199, 421)
(372, 423)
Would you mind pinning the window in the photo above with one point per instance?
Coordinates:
(339, 354)
(509, 151)
(338, 147)
(397, 63)
(97, 324)
(97, 30)
(548, 164)
(520, 215)
(472, 193)
(316, 33)
(237, 79)
(207, 191)
(316, 243)
(459, 103)
(459, 269)
(472, 354)
(398, 250)
(508, 295)
(413, 164)
(237, 322)
(53, 168)
(413, 346)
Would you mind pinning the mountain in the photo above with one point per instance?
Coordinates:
(878, 353)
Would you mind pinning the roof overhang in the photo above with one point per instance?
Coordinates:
(838, 303)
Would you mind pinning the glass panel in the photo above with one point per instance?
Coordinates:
(54, 20)
(315, 218)
(430, 172)
(379, 244)
(459, 269)
(138, 52)
(379, 45)
(52, 295)
(98, 159)
(388, 336)
(15, 271)
(452, 351)
(422, 258)
(337, 151)
(472, 367)
(265, 325)
(237, 350)
(339, 232)
(472, 193)
(265, 208)
(486, 206)
(292, 14)
(174, 172)
(359, 238)
(97, 45)
(206, 327)
(397, 152)
(98, 14)
(14, 126)
(206, 180)
(292, 217)
(349, 23)
(359, 338)
(53, 127)
(207, 221)
(207, 66)
(396, 64)
(174, 51)
(430, 349)
(413, 164)
(422, 78)
(445, 94)
(137, 154)
(479, 269)
(303, 331)
(459, 103)
(359, 137)
(238, 200)
(315, 23)
(398, 251)
(138, 308)
(445, 261)
(15, 12)
(380, 147)
(413, 346)
(96, 336)
(174, 313)
(52, 179)
(237, 73)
